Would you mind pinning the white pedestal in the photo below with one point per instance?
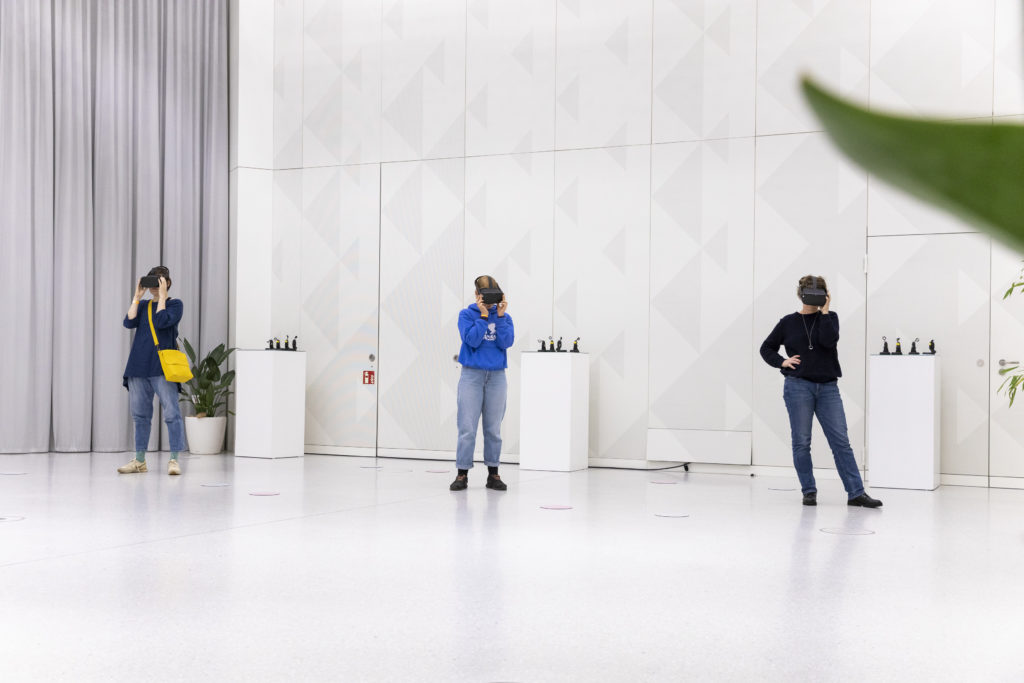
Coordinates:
(904, 395)
(554, 411)
(270, 403)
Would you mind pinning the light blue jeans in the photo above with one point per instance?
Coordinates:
(482, 393)
(140, 396)
(804, 400)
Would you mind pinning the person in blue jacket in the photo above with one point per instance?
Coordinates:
(487, 334)
(144, 376)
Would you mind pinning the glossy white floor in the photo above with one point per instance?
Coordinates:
(360, 574)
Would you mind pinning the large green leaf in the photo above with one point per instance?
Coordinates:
(975, 170)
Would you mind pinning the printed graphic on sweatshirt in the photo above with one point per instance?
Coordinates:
(491, 333)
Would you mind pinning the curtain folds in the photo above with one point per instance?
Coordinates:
(113, 159)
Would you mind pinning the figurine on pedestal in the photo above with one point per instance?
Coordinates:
(576, 346)
(277, 344)
(885, 348)
(559, 349)
(295, 343)
(931, 348)
(913, 347)
(899, 348)
(543, 346)
(270, 344)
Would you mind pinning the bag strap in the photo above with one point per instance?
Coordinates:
(151, 328)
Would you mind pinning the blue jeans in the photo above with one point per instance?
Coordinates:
(140, 396)
(804, 399)
(481, 393)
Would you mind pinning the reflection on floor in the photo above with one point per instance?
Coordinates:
(353, 573)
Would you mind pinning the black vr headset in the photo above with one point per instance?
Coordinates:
(492, 295)
(813, 296)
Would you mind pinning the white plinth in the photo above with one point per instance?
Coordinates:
(554, 412)
(904, 398)
(270, 403)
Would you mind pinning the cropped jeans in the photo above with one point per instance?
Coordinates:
(805, 399)
(140, 396)
(482, 393)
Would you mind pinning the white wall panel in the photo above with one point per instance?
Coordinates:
(702, 263)
(602, 283)
(827, 39)
(340, 246)
(603, 78)
(286, 255)
(1008, 97)
(423, 85)
(1006, 441)
(810, 219)
(421, 295)
(341, 97)
(937, 287)
(252, 235)
(894, 212)
(253, 126)
(933, 56)
(704, 80)
(509, 233)
(510, 76)
(288, 41)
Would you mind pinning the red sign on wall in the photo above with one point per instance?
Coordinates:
(368, 377)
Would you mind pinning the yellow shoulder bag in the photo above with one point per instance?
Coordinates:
(174, 362)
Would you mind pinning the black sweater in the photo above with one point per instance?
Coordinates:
(820, 364)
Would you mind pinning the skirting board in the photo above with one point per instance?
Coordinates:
(1006, 482)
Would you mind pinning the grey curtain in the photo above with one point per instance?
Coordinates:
(113, 159)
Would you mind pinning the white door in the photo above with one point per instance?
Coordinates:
(338, 290)
(1006, 440)
(937, 287)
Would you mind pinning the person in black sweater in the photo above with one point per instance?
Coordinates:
(811, 368)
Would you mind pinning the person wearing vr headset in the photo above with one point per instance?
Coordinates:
(487, 333)
(143, 374)
(811, 368)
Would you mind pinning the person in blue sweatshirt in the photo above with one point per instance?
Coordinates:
(143, 374)
(487, 334)
(812, 372)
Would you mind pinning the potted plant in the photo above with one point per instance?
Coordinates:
(207, 392)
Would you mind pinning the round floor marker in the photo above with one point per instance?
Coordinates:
(264, 493)
(847, 532)
(438, 471)
(556, 507)
(770, 488)
(658, 514)
(12, 474)
(218, 484)
(11, 518)
(663, 482)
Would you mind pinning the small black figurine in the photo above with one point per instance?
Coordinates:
(913, 347)
(277, 344)
(931, 348)
(576, 346)
(551, 343)
(295, 343)
(559, 348)
(899, 348)
(270, 344)
(543, 346)
(885, 348)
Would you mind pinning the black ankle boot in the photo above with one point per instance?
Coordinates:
(864, 501)
(495, 482)
(460, 483)
(811, 498)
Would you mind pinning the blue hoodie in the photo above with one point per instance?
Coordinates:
(485, 341)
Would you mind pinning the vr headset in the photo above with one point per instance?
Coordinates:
(813, 296)
(492, 296)
(150, 281)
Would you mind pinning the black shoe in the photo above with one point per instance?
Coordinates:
(495, 482)
(460, 483)
(864, 501)
(811, 498)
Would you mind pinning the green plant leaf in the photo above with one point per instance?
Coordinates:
(975, 170)
(190, 351)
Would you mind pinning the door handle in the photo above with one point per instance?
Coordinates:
(1004, 363)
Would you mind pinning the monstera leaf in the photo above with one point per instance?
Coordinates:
(975, 170)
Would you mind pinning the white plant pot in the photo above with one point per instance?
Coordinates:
(205, 434)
